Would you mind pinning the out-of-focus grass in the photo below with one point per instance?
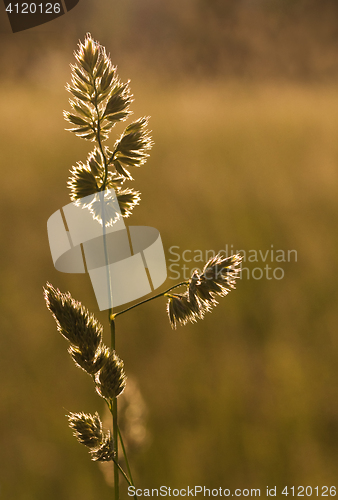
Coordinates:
(246, 398)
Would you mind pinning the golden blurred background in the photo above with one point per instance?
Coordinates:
(243, 98)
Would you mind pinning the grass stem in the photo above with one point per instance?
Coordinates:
(125, 456)
(114, 414)
(113, 316)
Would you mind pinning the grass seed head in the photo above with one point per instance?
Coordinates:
(78, 326)
(87, 428)
(105, 453)
(111, 379)
(217, 279)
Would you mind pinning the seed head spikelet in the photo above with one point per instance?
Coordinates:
(78, 326)
(87, 428)
(111, 379)
(87, 363)
(217, 279)
(105, 452)
(180, 310)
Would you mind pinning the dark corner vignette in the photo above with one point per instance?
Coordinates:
(25, 15)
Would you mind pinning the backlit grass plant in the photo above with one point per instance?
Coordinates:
(99, 101)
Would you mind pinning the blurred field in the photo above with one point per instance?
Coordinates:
(246, 398)
(244, 113)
